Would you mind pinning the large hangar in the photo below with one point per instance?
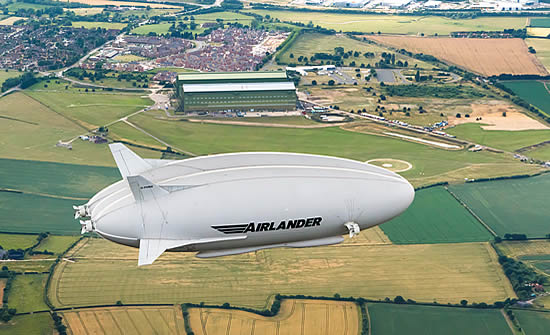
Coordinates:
(236, 92)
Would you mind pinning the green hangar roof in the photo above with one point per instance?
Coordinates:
(231, 77)
(239, 87)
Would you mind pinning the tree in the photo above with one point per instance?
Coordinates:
(291, 55)
(314, 82)
(399, 300)
(331, 82)
(458, 115)
(504, 114)
(464, 302)
(417, 76)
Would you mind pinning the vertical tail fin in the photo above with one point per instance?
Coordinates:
(128, 163)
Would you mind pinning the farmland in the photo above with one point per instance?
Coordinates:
(484, 56)
(427, 162)
(389, 319)
(500, 139)
(92, 25)
(125, 320)
(394, 24)
(36, 324)
(16, 241)
(27, 293)
(56, 244)
(535, 92)
(308, 44)
(57, 179)
(435, 217)
(509, 206)
(442, 272)
(542, 46)
(295, 317)
(533, 323)
(534, 253)
(7, 74)
(540, 22)
(29, 213)
(38, 265)
(125, 3)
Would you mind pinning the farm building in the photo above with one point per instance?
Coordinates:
(236, 91)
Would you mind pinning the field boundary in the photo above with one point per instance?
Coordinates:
(471, 212)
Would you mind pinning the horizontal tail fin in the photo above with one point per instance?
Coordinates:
(127, 161)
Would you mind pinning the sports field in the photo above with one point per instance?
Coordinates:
(535, 92)
(56, 179)
(533, 323)
(542, 46)
(435, 217)
(16, 241)
(28, 213)
(56, 244)
(427, 162)
(36, 324)
(510, 206)
(442, 272)
(125, 320)
(394, 24)
(481, 55)
(27, 293)
(393, 319)
(500, 139)
(296, 317)
(308, 44)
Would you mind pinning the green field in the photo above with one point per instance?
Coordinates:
(500, 139)
(27, 293)
(92, 25)
(435, 217)
(30, 266)
(35, 129)
(95, 109)
(57, 179)
(540, 22)
(395, 24)
(510, 206)
(444, 272)
(390, 319)
(27, 213)
(535, 92)
(308, 44)
(533, 323)
(56, 244)
(429, 164)
(9, 74)
(35, 324)
(16, 241)
(542, 46)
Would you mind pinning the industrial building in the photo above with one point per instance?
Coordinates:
(236, 92)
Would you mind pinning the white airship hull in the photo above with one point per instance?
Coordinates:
(235, 203)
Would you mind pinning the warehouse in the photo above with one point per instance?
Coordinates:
(236, 92)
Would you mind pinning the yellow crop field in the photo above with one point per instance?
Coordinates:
(441, 272)
(486, 56)
(524, 248)
(125, 320)
(303, 317)
(538, 32)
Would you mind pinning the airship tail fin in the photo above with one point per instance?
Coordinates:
(127, 161)
(144, 190)
(151, 249)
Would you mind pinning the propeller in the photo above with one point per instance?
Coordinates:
(87, 226)
(80, 211)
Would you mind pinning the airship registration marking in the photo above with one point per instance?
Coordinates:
(269, 226)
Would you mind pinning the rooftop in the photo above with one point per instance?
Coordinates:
(231, 75)
(238, 87)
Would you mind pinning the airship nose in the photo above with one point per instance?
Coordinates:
(403, 197)
(117, 226)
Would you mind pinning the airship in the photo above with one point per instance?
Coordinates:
(235, 203)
